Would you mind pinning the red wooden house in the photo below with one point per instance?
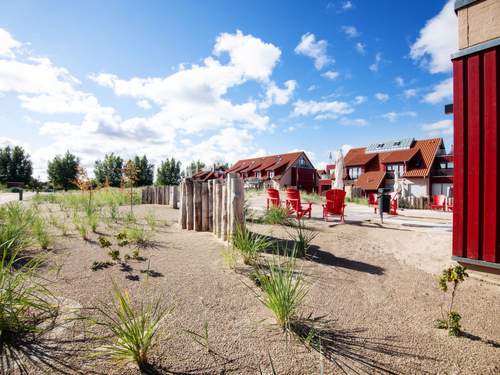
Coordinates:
(283, 170)
(373, 167)
(476, 102)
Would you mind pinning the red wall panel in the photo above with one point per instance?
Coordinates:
(459, 198)
(476, 179)
(490, 226)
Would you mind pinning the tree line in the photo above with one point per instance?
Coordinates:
(64, 170)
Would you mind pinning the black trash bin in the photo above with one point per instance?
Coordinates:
(384, 200)
(20, 194)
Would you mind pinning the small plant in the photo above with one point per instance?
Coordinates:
(93, 220)
(302, 238)
(249, 244)
(278, 215)
(139, 236)
(96, 266)
(451, 321)
(230, 257)
(283, 290)
(82, 229)
(151, 221)
(115, 255)
(103, 242)
(130, 218)
(201, 339)
(135, 253)
(41, 234)
(114, 213)
(122, 238)
(133, 327)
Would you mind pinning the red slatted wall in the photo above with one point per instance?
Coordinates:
(476, 222)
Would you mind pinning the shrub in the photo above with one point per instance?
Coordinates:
(283, 290)
(302, 238)
(451, 321)
(133, 327)
(249, 244)
(25, 303)
(278, 215)
(115, 255)
(103, 242)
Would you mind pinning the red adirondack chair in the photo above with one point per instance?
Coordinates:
(438, 202)
(393, 207)
(294, 204)
(373, 201)
(273, 198)
(335, 204)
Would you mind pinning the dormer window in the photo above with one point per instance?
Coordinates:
(271, 174)
(257, 174)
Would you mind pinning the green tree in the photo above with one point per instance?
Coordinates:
(63, 171)
(109, 170)
(15, 165)
(197, 166)
(169, 172)
(145, 171)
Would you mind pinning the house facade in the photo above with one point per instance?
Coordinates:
(279, 171)
(423, 165)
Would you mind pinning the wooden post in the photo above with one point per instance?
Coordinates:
(223, 234)
(237, 204)
(211, 205)
(182, 214)
(166, 194)
(218, 209)
(204, 206)
(190, 205)
(174, 196)
(197, 205)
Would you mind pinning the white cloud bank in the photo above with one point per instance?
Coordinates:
(439, 128)
(440, 92)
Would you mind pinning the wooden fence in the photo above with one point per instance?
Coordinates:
(214, 206)
(414, 202)
(166, 195)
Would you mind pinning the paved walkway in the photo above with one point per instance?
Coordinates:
(12, 197)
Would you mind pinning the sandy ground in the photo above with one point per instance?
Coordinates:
(371, 283)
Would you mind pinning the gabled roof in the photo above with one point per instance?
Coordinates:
(266, 163)
(370, 180)
(357, 156)
(401, 156)
(428, 149)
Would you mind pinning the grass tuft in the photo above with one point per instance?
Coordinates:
(249, 244)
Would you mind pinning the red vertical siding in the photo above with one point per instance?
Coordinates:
(473, 155)
(459, 198)
(476, 225)
(490, 215)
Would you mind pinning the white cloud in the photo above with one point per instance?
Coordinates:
(255, 58)
(312, 88)
(350, 31)
(439, 128)
(399, 81)
(443, 90)
(382, 96)
(437, 40)
(276, 95)
(144, 104)
(331, 74)
(410, 93)
(347, 5)
(7, 44)
(359, 99)
(360, 48)
(321, 110)
(394, 116)
(191, 101)
(376, 64)
(353, 121)
(316, 50)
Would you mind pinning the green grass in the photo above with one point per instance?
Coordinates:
(41, 233)
(283, 290)
(133, 327)
(16, 224)
(302, 238)
(278, 215)
(358, 200)
(248, 244)
(25, 303)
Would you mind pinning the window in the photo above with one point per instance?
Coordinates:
(450, 164)
(257, 174)
(354, 172)
(400, 168)
(302, 162)
(271, 174)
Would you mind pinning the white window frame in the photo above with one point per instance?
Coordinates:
(271, 174)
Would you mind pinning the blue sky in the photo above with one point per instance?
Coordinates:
(221, 80)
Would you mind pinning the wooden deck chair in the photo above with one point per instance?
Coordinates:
(335, 204)
(273, 198)
(438, 202)
(295, 205)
